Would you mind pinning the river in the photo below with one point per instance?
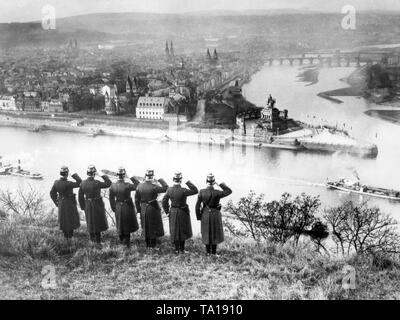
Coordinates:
(267, 171)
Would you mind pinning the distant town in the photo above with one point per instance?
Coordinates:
(100, 80)
(156, 79)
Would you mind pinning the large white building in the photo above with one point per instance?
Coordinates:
(7, 103)
(151, 108)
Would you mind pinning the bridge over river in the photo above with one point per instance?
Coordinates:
(338, 58)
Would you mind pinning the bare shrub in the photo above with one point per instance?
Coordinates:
(277, 221)
(247, 212)
(289, 218)
(360, 229)
(26, 203)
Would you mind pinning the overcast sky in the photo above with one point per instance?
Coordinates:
(30, 10)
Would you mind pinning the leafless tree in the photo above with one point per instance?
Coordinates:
(359, 228)
(247, 212)
(27, 202)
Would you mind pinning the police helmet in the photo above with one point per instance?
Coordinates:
(149, 173)
(91, 170)
(177, 177)
(64, 171)
(210, 178)
(121, 172)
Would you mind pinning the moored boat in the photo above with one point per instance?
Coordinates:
(109, 173)
(18, 172)
(5, 170)
(354, 186)
(95, 132)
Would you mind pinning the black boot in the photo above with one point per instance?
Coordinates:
(208, 249)
(92, 237)
(97, 237)
(182, 246)
(68, 234)
(176, 243)
(127, 240)
(214, 249)
(152, 243)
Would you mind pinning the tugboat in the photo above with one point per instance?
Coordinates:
(354, 186)
(18, 172)
(25, 174)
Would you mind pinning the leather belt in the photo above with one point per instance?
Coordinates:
(93, 199)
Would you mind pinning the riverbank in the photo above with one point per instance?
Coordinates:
(182, 133)
(244, 270)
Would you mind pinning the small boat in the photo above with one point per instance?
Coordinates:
(113, 174)
(95, 132)
(5, 170)
(109, 173)
(354, 186)
(18, 172)
(37, 128)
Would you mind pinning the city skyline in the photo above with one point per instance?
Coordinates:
(29, 10)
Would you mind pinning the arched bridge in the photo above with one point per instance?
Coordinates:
(336, 59)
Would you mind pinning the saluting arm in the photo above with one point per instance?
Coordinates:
(163, 188)
(226, 191)
(137, 202)
(107, 182)
(165, 203)
(53, 195)
(136, 182)
(81, 198)
(112, 199)
(192, 189)
(77, 182)
(198, 207)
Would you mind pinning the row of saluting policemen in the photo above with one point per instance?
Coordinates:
(208, 208)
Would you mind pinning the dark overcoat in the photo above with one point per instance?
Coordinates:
(209, 212)
(180, 226)
(63, 196)
(91, 201)
(149, 209)
(122, 205)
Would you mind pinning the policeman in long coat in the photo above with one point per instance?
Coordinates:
(62, 194)
(91, 201)
(148, 208)
(208, 211)
(122, 205)
(180, 226)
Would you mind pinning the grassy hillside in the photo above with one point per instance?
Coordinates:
(244, 269)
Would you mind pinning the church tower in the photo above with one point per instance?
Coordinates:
(167, 53)
(215, 54)
(171, 49)
(208, 54)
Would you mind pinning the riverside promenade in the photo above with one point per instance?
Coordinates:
(307, 139)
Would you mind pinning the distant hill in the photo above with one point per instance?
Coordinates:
(269, 25)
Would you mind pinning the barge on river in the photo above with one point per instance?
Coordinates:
(356, 187)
